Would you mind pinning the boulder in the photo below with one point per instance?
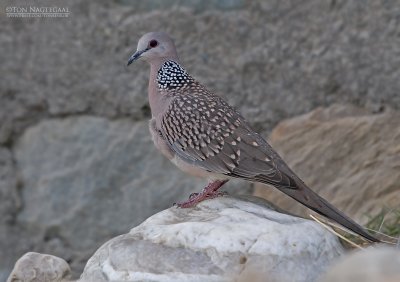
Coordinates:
(219, 240)
(370, 265)
(346, 154)
(35, 267)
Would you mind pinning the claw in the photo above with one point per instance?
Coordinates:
(193, 195)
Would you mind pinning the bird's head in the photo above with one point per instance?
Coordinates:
(155, 46)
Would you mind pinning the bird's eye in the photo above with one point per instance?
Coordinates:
(153, 43)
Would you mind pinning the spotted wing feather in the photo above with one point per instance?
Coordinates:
(216, 137)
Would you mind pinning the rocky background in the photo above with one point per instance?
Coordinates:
(347, 155)
(76, 163)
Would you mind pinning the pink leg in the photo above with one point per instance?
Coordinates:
(208, 193)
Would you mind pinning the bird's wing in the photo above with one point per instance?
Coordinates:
(205, 131)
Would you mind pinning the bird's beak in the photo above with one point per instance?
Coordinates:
(136, 56)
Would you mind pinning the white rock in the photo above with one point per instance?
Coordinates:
(35, 267)
(370, 265)
(224, 239)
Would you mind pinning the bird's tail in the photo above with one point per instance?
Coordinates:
(312, 200)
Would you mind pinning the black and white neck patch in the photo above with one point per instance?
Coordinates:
(172, 76)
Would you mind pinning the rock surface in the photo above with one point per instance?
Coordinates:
(347, 155)
(280, 58)
(371, 265)
(9, 200)
(35, 267)
(220, 240)
(272, 59)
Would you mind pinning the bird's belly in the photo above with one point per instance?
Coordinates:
(196, 170)
(158, 141)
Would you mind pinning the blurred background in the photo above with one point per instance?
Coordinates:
(77, 165)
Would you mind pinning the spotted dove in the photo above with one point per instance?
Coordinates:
(204, 136)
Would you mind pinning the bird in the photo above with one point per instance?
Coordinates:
(204, 136)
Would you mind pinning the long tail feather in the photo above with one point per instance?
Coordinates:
(312, 200)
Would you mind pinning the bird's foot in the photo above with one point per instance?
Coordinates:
(210, 192)
(196, 198)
